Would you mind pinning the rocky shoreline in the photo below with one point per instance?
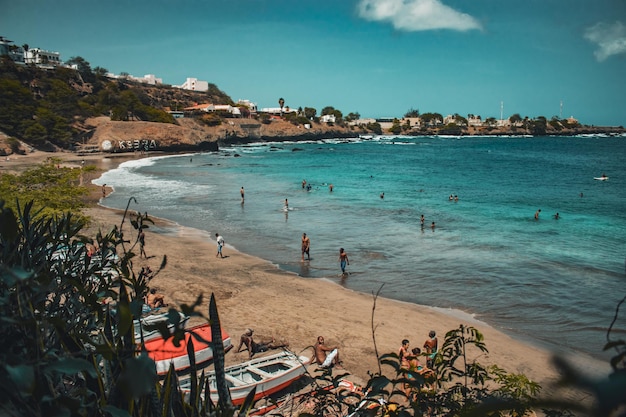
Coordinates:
(100, 134)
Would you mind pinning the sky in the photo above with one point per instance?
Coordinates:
(378, 58)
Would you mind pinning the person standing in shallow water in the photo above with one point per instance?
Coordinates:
(343, 260)
(242, 194)
(537, 214)
(306, 246)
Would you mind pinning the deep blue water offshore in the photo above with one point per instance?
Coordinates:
(549, 282)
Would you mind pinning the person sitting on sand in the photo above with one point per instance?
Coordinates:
(416, 368)
(254, 347)
(155, 300)
(325, 356)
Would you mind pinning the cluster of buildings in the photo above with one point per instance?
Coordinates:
(26, 55)
(48, 59)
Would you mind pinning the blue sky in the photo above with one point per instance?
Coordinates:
(378, 58)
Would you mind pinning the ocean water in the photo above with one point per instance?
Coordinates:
(555, 283)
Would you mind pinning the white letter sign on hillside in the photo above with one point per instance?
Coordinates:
(134, 145)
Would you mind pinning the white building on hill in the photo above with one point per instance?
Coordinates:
(194, 84)
(42, 57)
(278, 110)
(148, 79)
(249, 104)
(16, 53)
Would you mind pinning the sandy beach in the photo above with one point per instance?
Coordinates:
(252, 293)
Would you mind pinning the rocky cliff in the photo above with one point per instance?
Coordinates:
(102, 134)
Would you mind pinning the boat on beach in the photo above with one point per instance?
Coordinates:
(144, 325)
(164, 352)
(269, 374)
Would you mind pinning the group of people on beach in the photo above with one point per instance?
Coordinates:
(325, 356)
(409, 360)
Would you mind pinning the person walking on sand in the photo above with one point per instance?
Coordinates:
(306, 246)
(343, 260)
(104, 190)
(220, 245)
(325, 356)
(242, 195)
(142, 244)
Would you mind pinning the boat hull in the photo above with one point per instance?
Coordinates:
(269, 374)
(164, 352)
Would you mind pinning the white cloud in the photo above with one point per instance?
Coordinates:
(610, 38)
(416, 15)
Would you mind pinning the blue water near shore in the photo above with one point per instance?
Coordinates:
(550, 282)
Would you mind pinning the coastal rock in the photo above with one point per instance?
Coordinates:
(115, 136)
(189, 134)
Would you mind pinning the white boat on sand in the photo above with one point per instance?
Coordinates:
(269, 374)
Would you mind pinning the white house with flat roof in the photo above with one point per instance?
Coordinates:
(150, 79)
(277, 110)
(328, 118)
(194, 84)
(42, 57)
(249, 104)
(16, 53)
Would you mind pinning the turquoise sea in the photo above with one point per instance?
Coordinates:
(555, 283)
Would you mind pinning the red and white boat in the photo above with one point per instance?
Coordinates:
(269, 374)
(163, 352)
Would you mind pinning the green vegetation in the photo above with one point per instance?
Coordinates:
(54, 189)
(412, 113)
(310, 112)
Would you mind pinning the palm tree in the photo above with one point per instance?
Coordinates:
(281, 103)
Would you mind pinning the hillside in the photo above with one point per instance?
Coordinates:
(64, 109)
(82, 110)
